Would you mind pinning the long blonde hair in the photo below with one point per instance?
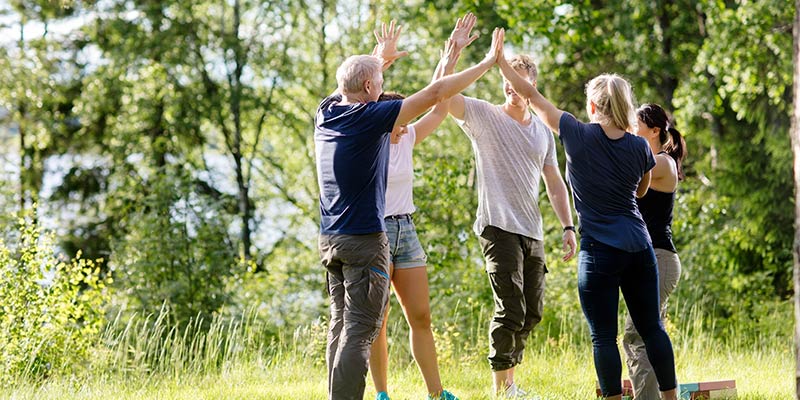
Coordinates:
(613, 99)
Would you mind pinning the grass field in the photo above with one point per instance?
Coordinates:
(148, 358)
(553, 373)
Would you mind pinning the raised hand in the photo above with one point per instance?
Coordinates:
(495, 52)
(449, 56)
(387, 43)
(460, 35)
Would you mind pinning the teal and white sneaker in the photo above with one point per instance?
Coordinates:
(382, 396)
(445, 395)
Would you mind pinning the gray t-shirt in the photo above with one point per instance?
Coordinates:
(509, 157)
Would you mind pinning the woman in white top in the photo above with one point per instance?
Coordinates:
(408, 260)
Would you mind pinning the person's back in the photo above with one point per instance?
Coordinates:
(627, 262)
(604, 178)
(656, 207)
(352, 149)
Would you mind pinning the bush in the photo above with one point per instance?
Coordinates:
(176, 252)
(52, 307)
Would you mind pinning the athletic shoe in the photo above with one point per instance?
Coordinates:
(382, 396)
(515, 392)
(445, 395)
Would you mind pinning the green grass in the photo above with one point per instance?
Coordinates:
(553, 372)
(147, 358)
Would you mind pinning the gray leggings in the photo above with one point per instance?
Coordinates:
(645, 386)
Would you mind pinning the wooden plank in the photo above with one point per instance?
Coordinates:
(717, 385)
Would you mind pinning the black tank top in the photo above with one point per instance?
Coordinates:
(656, 209)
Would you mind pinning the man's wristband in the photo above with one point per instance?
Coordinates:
(569, 228)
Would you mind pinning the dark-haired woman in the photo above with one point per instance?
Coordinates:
(656, 208)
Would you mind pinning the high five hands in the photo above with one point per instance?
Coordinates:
(461, 32)
(387, 39)
(386, 49)
(495, 53)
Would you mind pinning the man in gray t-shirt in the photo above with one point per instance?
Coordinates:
(513, 150)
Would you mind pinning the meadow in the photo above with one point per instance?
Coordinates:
(149, 359)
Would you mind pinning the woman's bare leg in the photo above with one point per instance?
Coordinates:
(411, 288)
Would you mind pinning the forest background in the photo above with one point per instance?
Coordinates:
(157, 159)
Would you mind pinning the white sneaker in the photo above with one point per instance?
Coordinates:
(515, 392)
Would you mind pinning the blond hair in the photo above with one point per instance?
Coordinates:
(354, 71)
(525, 63)
(613, 99)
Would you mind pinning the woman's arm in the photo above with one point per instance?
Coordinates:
(427, 124)
(543, 107)
(644, 184)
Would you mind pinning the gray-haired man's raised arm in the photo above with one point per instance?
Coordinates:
(449, 86)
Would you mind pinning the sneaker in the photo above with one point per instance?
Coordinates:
(445, 395)
(515, 392)
(382, 396)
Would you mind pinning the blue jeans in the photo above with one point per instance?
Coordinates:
(602, 271)
(405, 251)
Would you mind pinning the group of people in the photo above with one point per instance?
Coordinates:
(622, 184)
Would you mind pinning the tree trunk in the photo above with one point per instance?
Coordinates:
(669, 83)
(795, 133)
(242, 182)
(23, 152)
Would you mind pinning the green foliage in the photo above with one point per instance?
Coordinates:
(176, 253)
(52, 308)
(169, 117)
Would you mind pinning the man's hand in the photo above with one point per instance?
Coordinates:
(495, 52)
(387, 39)
(569, 245)
(460, 35)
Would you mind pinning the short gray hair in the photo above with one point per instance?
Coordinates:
(354, 71)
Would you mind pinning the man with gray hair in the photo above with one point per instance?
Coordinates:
(351, 134)
(513, 150)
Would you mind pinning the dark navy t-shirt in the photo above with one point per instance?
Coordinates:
(604, 174)
(352, 149)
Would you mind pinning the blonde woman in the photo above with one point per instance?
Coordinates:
(608, 168)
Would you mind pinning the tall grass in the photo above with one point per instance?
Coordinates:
(244, 357)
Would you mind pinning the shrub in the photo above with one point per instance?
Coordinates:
(52, 308)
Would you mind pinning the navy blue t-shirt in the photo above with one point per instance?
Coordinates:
(352, 149)
(604, 174)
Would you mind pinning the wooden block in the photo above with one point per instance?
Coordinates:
(685, 390)
(717, 385)
(700, 395)
(707, 390)
(729, 393)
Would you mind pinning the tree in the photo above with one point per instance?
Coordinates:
(795, 134)
(40, 106)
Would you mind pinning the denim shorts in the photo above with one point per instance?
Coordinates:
(405, 251)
